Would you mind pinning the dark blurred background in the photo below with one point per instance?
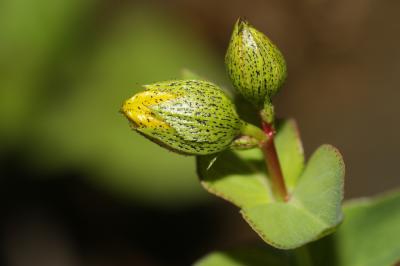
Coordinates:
(78, 187)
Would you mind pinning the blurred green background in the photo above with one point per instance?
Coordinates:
(80, 188)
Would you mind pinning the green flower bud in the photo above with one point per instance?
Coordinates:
(255, 65)
(187, 116)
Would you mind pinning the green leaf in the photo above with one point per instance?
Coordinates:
(241, 181)
(246, 257)
(370, 234)
(258, 256)
(314, 207)
(291, 153)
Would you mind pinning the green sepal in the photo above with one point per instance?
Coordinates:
(201, 113)
(167, 138)
(244, 143)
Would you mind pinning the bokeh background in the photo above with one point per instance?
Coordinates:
(78, 187)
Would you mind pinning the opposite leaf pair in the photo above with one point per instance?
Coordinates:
(316, 189)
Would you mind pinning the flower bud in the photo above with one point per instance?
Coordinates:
(187, 116)
(255, 65)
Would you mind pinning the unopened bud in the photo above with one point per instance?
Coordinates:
(187, 116)
(255, 65)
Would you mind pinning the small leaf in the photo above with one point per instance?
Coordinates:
(246, 257)
(314, 207)
(291, 154)
(370, 233)
(240, 181)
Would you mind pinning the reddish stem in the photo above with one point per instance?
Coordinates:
(272, 162)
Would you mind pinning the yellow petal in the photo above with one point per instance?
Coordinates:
(136, 110)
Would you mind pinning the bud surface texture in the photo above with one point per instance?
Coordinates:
(186, 116)
(255, 65)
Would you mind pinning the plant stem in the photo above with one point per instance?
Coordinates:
(267, 145)
(272, 162)
(254, 132)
